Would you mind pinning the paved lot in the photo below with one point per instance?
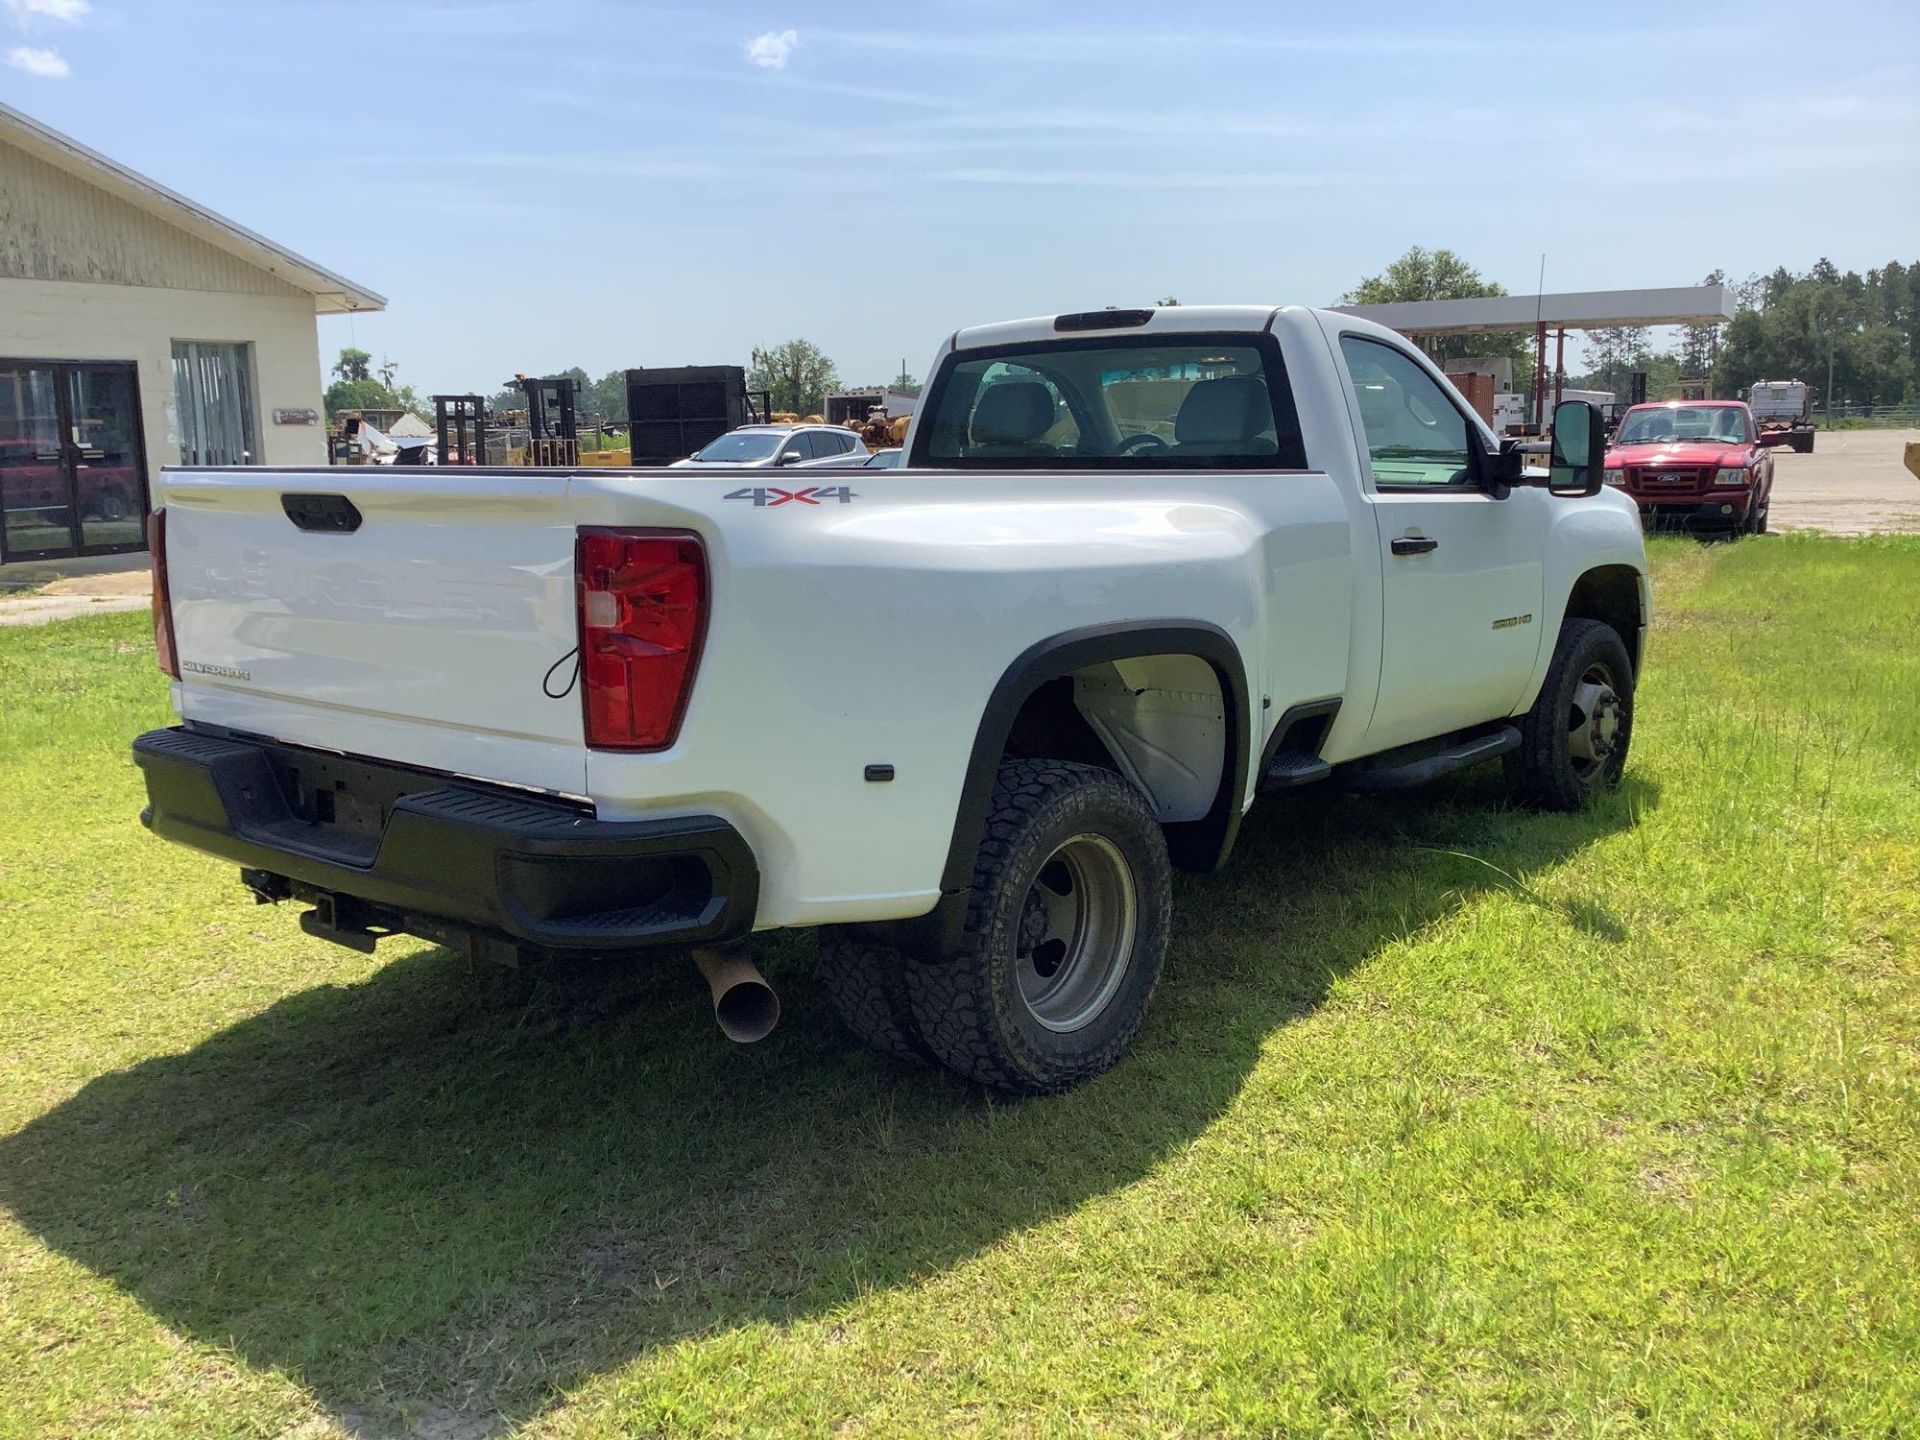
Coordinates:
(33, 594)
(1852, 484)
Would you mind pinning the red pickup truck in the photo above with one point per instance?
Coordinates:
(1698, 464)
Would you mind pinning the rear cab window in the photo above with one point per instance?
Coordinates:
(1178, 402)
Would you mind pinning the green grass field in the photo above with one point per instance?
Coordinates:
(1448, 1119)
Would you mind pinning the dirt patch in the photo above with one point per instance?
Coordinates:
(41, 609)
(1666, 1182)
(44, 591)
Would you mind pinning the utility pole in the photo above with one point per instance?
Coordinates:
(1825, 332)
(1829, 379)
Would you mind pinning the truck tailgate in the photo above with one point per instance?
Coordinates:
(436, 631)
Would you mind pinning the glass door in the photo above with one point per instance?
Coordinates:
(109, 481)
(73, 474)
(35, 506)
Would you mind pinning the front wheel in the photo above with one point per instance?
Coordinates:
(1573, 742)
(1066, 928)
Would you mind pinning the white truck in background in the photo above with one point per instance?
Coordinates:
(964, 716)
(1783, 407)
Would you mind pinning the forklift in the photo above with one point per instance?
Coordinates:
(460, 429)
(553, 432)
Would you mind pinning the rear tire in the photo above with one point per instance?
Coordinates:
(1066, 928)
(1573, 742)
(864, 979)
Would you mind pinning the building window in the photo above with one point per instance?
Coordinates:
(213, 386)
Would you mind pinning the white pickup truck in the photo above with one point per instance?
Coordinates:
(1142, 567)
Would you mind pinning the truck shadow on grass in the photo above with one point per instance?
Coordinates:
(428, 1195)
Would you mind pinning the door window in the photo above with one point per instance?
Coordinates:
(213, 388)
(1416, 437)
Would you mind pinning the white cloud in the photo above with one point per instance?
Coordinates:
(1175, 180)
(768, 51)
(47, 64)
(70, 12)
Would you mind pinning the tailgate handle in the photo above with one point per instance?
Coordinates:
(322, 514)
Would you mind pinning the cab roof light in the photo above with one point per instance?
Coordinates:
(1103, 320)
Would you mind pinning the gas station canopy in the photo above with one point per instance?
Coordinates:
(1581, 310)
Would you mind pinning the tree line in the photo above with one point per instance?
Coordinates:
(1793, 327)
(1786, 326)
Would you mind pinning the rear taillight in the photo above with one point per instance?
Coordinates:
(163, 649)
(643, 612)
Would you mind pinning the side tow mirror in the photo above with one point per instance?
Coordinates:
(1577, 464)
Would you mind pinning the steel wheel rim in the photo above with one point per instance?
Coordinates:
(1076, 934)
(1594, 721)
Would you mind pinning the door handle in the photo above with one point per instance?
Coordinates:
(1414, 545)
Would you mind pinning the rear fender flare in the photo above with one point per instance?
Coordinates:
(1202, 844)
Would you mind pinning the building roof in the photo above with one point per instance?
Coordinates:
(1580, 310)
(332, 294)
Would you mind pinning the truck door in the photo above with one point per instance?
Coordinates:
(1462, 571)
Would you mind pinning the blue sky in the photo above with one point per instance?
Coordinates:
(604, 183)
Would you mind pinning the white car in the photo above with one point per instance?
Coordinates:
(1142, 570)
(766, 447)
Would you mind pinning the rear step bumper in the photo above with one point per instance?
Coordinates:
(416, 851)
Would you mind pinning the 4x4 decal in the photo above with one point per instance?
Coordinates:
(768, 497)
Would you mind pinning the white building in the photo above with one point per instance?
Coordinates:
(138, 329)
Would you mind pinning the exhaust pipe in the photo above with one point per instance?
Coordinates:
(743, 1003)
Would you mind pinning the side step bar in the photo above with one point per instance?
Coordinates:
(1294, 767)
(1384, 772)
